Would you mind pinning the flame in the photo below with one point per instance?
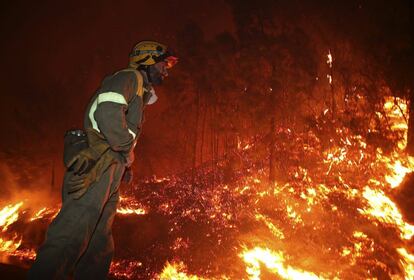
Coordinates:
(129, 205)
(124, 269)
(273, 261)
(399, 164)
(329, 77)
(39, 214)
(45, 212)
(23, 254)
(329, 59)
(360, 243)
(127, 211)
(176, 271)
(275, 231)
(349, 176)
(398, 172)
(8, 215)
(385, 210)
(10, 245)
(407, 263)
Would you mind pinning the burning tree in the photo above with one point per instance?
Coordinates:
(334, 216)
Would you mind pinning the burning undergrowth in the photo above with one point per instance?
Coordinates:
(332, 212)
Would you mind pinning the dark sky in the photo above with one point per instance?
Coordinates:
(54, 55)
(49, 44)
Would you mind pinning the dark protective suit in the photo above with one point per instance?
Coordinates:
(79, 240)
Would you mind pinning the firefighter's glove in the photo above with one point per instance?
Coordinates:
(84, 161)
(79, 183)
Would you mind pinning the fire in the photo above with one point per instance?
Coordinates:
(398, 163)
(275, 231)
(407, 262)
(45, 212)
(9, 215)
(329, 59)
(23, 254)
(127, 211)
(176, 271)
(322, 220)
(398, 171)
(273, 261)
(39, 214)
(361, 243)
(128, 205)
(10, 245)
(385, 210)
(124, 269)
(329, 77)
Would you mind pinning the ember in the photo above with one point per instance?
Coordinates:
(251, 228)
(274, 261)
(308, 213)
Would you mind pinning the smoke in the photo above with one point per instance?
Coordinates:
(35, 191)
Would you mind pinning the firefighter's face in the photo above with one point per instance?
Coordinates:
(158, 72)
(162, 68)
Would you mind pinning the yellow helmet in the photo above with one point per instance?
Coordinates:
(149, 53)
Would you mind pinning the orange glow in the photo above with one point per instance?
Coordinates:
(332, 206)
(10, 245)
(407, 263)
(385, 210)
(177, 271)
(127, 211)
(8, 215)
(329, 59)
(274, 262)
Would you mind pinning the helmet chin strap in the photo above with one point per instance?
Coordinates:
(145, 76)
(134, 65)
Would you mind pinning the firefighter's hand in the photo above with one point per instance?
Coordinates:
(83, 162)
(79, 184)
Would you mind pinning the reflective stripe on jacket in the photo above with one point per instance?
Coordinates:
(116, 109)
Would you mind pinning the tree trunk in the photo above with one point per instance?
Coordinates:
(203, 130)
(195, 138)
(410, 144)
(216, 140)
(53, 175)
(333, 102)
(272, 167)
(272, 142)
(213, 137)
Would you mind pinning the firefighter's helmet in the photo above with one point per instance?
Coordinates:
(148, 53)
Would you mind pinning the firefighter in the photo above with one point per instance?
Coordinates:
(79, 240)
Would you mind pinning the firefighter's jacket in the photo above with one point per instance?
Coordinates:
(116, 111)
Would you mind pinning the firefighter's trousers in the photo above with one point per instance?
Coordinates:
(79, 240)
